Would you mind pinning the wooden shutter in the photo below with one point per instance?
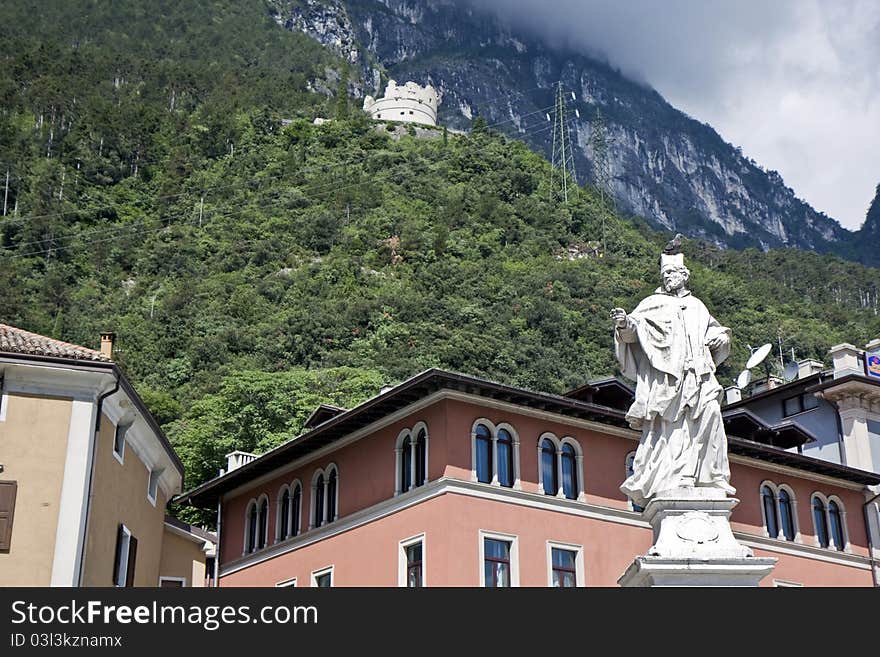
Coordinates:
(8, 490)
(132, 560)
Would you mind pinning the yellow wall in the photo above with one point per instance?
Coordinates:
(182, 558)
(33, 450)
(120, 496)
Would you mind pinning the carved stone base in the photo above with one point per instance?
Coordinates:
(694, 545)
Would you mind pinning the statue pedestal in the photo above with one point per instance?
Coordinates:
(694, 545)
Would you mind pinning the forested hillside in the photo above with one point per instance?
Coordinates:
(167, 183)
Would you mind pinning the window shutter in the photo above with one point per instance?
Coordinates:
(8, 490)
(132, 560)
(120, 536)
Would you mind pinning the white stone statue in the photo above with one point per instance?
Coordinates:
(670, 345)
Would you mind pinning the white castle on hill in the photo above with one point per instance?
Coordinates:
(410, 103)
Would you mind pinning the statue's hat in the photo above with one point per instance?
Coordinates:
(675, 259)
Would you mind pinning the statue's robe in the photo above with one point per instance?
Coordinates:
(664, 348)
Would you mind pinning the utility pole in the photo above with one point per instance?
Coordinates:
(562, 161)
(599, 145)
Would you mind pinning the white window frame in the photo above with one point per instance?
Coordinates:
(287, 583)
(278, 523)
(153, 476)
(775, 490)
(252, 503)
(831, 544)
(313, 507)
(548, 435)
(578, 465)
(402, 562)
(122, 566)
(398, 457)
(493, 433)
(580, 581)
(302, 494)
(794, 514)
(120, 455)
(331, 468)
(327, 570)
(4, 398)
(164, 578)
(513, 539)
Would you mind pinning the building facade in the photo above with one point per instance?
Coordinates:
(449, 480)
(85, 472)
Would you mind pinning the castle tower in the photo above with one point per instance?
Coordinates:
(410, 103)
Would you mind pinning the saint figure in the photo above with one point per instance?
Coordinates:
(670, 345)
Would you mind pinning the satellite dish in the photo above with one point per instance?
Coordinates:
(744, 378)
(790, 372)
(758, 356)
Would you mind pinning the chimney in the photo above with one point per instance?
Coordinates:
(107, 340)
(732, 394)
(873, 345)
(845, 360)
(236, 459)
(808, 367)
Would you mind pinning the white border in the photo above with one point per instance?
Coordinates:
(513, 539)
(163, 578)
(119, 456)
(323, 571)
(286, 583)
(784, 583)
(151, 494)
(402, 562)
(122, 566)
(580, 581)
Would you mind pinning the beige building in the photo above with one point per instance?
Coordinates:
(85, 474)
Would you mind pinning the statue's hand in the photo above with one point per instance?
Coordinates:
(716, 342)
(619, 317)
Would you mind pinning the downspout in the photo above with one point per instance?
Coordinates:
(217, 555)
(871, 557)
(82, 554)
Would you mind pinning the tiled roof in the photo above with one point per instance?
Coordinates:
(17, 341)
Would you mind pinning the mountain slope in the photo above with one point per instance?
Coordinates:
(663, 165)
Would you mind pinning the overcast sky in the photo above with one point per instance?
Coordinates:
(796, 83)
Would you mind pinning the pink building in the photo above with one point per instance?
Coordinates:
(450, 480)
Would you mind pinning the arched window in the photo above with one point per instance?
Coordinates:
(283, 520)
(263, 523)
(836, 522)
(421, 464)
(768, 501)
(820, 521)
(484, 453)
(406, 464)
(505, 458)
(251, 536)
(296, 510)
(548, 467)
(411, 450)
(318, 510)
(786, 515)
(332, 483)
(569, 472)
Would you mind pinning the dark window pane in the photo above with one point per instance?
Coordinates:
(497, 562)
(505, 458)
(285, 515)
(323, 581)
(297, 506)
(548, 467)
(414, 566)
(836, 525)
(569, 474)
(786, 517)
(810, 401)
(819, 521)
(252, 529)
(791, 406)
(319, 501)
(564, 572)
(421, 458)
(484, 454)
(406, 465)
(770, 511)
(331, 497)
(263, 524)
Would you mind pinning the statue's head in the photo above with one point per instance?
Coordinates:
(673, 272)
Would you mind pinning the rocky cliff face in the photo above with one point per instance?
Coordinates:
(664, 166)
